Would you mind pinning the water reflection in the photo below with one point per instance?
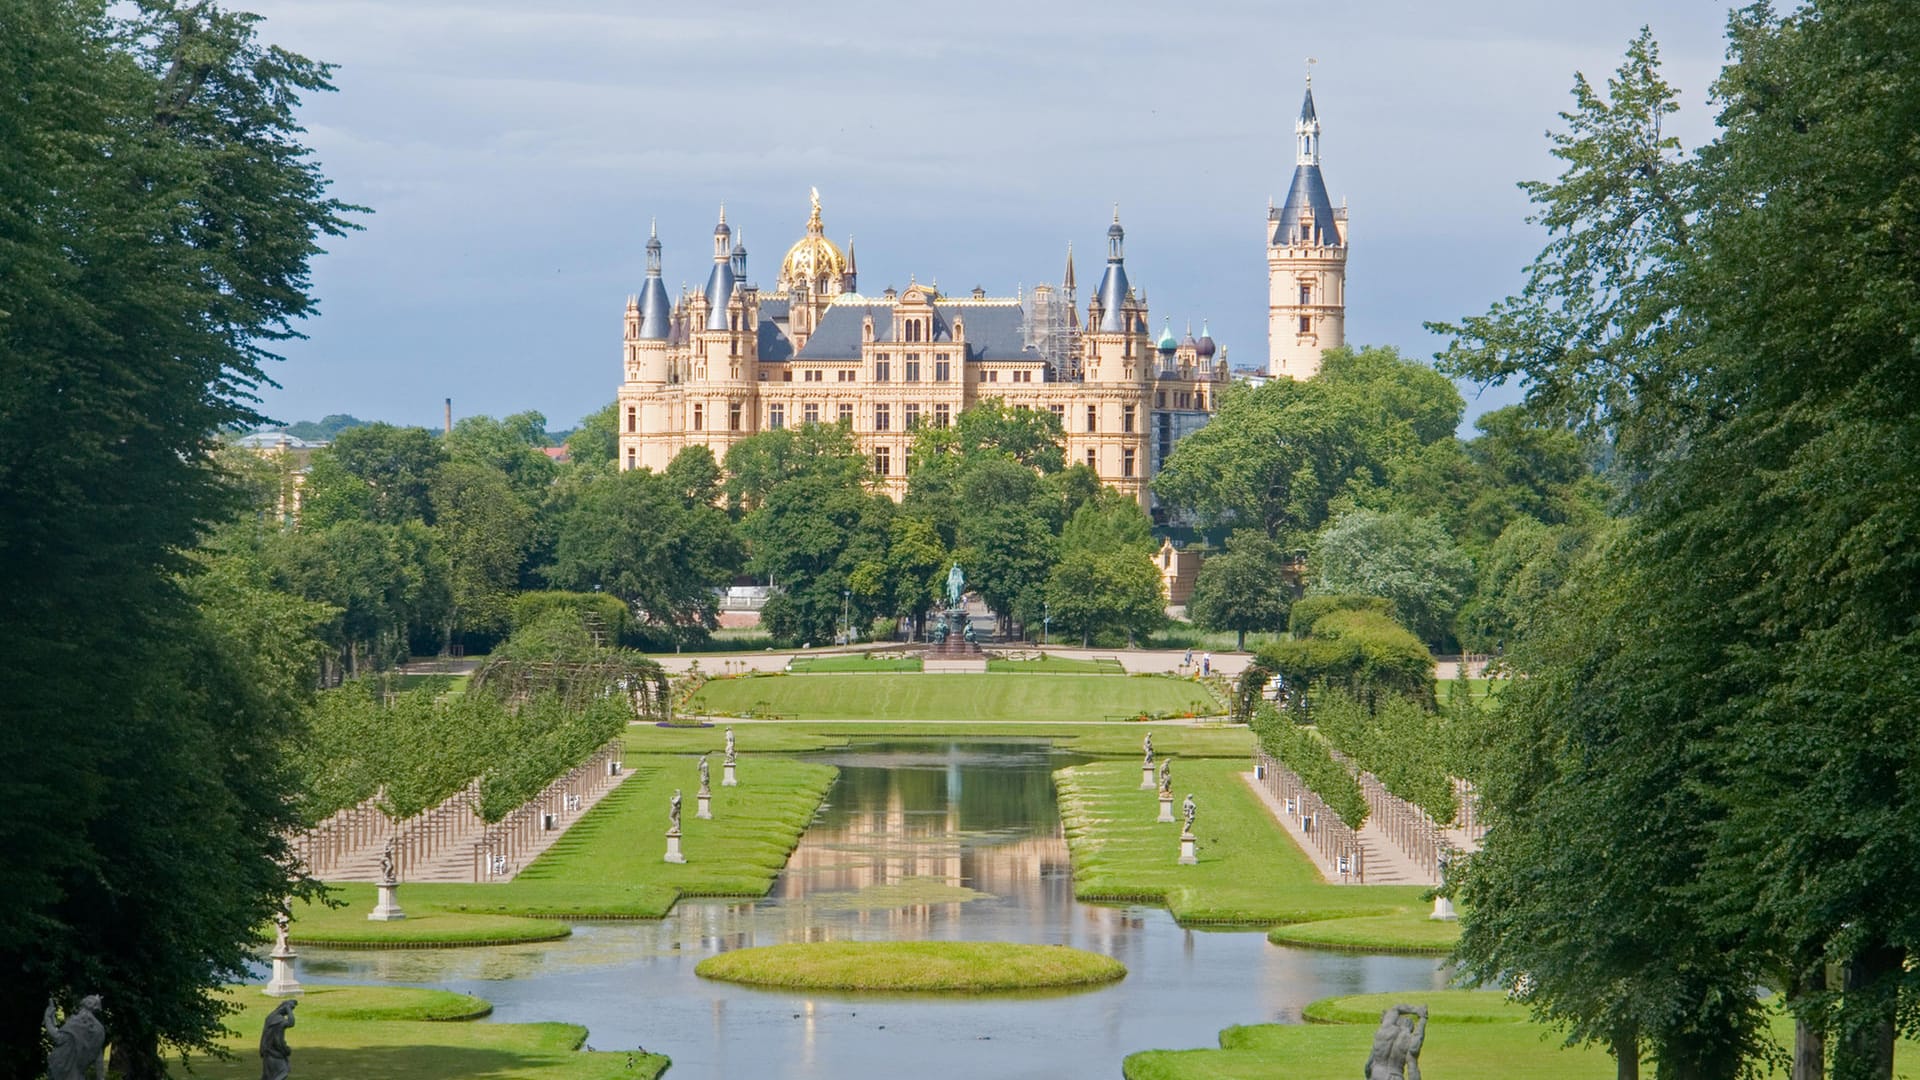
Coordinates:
(936, 841)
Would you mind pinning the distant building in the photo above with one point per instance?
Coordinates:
(728, 360)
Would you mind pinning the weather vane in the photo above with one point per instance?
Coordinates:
(1310, 62)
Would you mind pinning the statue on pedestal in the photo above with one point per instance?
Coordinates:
(276, 1058)
(1166, 778)
(673, 810)
(79, 1045)
(703, 772)
(956, 585)
(388, 871)
(1147, 744)
(1187, 808)
(1396, 1046)
(729, 759)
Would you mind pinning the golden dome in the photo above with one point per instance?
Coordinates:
(814, 260)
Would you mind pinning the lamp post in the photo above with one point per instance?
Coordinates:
(846, 614)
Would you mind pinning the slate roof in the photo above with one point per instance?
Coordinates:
(1310, 191)
(656, 311)
(995, 330)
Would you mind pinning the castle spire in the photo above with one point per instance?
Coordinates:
(1067, 282)
(1306, 130)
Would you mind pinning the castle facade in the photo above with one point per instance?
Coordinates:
(718, 364)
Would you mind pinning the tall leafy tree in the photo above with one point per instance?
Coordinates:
(158, 212)
(386, 473)
(1410, 562)
(1244, 588)
(484, 532)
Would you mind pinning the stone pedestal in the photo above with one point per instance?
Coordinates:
(704, 807)
(283, 984)
(1187, 856)
(1443, 909)
(673, 847)
(1166, 807)
(727, 779)
(1148, 780)
(388, 907)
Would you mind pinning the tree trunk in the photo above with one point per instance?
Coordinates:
(1242, 646)
(1809, 1042)
(1869, 999)
(1626, 1055)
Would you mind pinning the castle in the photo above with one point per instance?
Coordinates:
(729, 360)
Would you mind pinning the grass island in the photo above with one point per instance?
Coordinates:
(971, 967)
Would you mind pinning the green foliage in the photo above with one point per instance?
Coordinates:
(531, 607)
(1308, 610)
(484, 530)
(1362, 653)
(158, 213)
(595, 443)
(1244, 588)
(1524, 567)
(1410, 562)
(968, 967)
(547, 739)
(1311, 759)
(1282, 457)
(377, 473)
(1105, 579)
(655, 541)
(1412, 751)
(324, 429)
(509, 446)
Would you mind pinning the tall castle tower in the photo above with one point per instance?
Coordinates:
(1306, 262)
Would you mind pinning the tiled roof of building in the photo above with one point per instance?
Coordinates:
(996, 329)
(1309, 191)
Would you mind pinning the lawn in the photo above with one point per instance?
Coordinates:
(1019, 698)
(400, 1033)
(608, 865)
(1097, 740)
(1048, 664)
(913, 966)
(1249, 873)
(1469, 1034)
(857, 662)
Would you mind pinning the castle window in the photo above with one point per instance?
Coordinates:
(1306, 293)
(913, 417)
(776, 417)
(848, 374)
(1059, 413)
(810, 412)
(882, 370)
(1126, 423)
(992, 375)
(1200, 399)
(814, 375)
(629, 457)
(1159, 399)
(912, 372)
(1093, 459)
(846, 413)
(1306, 324)
(882, 418)
(942, 370)
(699, 418)
(632, 419)
(1126, 462)
(942, 415)
(786, 374)
(733, 417)
(1093, 418)
(882, 460)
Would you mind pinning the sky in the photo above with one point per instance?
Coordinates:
(513, 155)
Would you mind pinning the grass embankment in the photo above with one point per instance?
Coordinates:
(857, 662)
(971, 967)
(1049, 664)
(1249, 872)
(1094, 740)
(1468, 1034)
(953, 697)
(608, 865)
(398, 1033)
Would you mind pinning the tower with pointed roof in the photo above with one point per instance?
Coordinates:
(1306, 261)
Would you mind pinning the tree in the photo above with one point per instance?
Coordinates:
(158, 213)
(1105, 578)
(917, 562)
(484, 532)
(595, 444)
(1243, 589)
(1409, 561)
(513, 446)
(652, 543)
(1519, 574)
(395, 466)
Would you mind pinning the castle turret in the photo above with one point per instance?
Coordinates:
(1306, 261)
